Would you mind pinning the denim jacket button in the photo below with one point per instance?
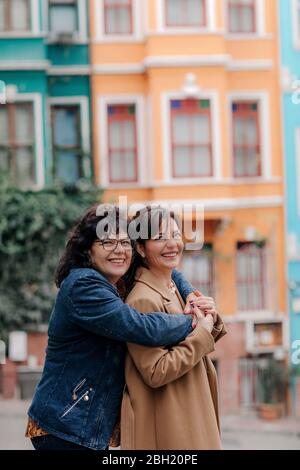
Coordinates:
(86, 398)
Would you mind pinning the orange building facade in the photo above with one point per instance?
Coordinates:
(186, 109)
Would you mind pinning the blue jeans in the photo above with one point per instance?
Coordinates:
(50, 442)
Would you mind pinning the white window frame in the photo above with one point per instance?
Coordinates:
(35, 29)
(173, 30)
(83, 103)
(250, 334)
(260, 21)
(138, 20)
(140, 106)
(265, 285)
(166, 99)
(80, 36)
(262, 98)
(295, 6)
(38, 120)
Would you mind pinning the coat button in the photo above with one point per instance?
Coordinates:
(86, 398)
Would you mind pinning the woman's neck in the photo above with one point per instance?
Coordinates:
(162, 275)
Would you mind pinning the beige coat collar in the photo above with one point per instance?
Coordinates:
(145, 276)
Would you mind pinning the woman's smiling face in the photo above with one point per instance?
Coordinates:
(112, 256)
(165, 250)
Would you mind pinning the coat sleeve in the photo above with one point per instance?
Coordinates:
(184, 287)
(219, 329)
(159, 366)
(96, 307)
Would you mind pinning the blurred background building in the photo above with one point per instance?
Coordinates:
(45, 124)
(290, 57)
(187, 110)
(175, 101)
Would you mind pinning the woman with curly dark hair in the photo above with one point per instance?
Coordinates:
(77, 401)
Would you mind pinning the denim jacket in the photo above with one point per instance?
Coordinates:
(79, 395)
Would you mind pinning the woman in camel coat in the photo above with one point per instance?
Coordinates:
(171, 398)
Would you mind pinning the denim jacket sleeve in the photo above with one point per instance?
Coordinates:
(95, 306)
(184, 287)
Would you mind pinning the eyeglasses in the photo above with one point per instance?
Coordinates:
(111, 244)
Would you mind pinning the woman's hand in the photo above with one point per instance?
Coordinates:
(197, 315)
(207, 322)
(205, 304)
(199, 319)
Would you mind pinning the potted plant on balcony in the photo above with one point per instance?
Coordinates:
(272, 382)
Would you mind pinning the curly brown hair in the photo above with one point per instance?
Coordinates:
(84, 234)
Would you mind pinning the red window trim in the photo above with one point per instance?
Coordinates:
(257, 146)
(248, 281)
(8, 17)
(240, 7)
(206, 111)
(202, 24)
(118, 6)
(11, 145)
(123, 117)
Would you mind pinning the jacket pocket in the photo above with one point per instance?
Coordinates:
(79, 393)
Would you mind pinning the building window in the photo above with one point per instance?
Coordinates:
(268, 335)
(17, 142)
(118, 17)
(66, 141)
(15, 15)
(242, 16)
(198, 269)
(122, 143)
(251, 276)
(191, 138)
(246, 139)
(185, 13)
(63, 16)
(297, 22)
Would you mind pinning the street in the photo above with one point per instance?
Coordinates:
(238, 432)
